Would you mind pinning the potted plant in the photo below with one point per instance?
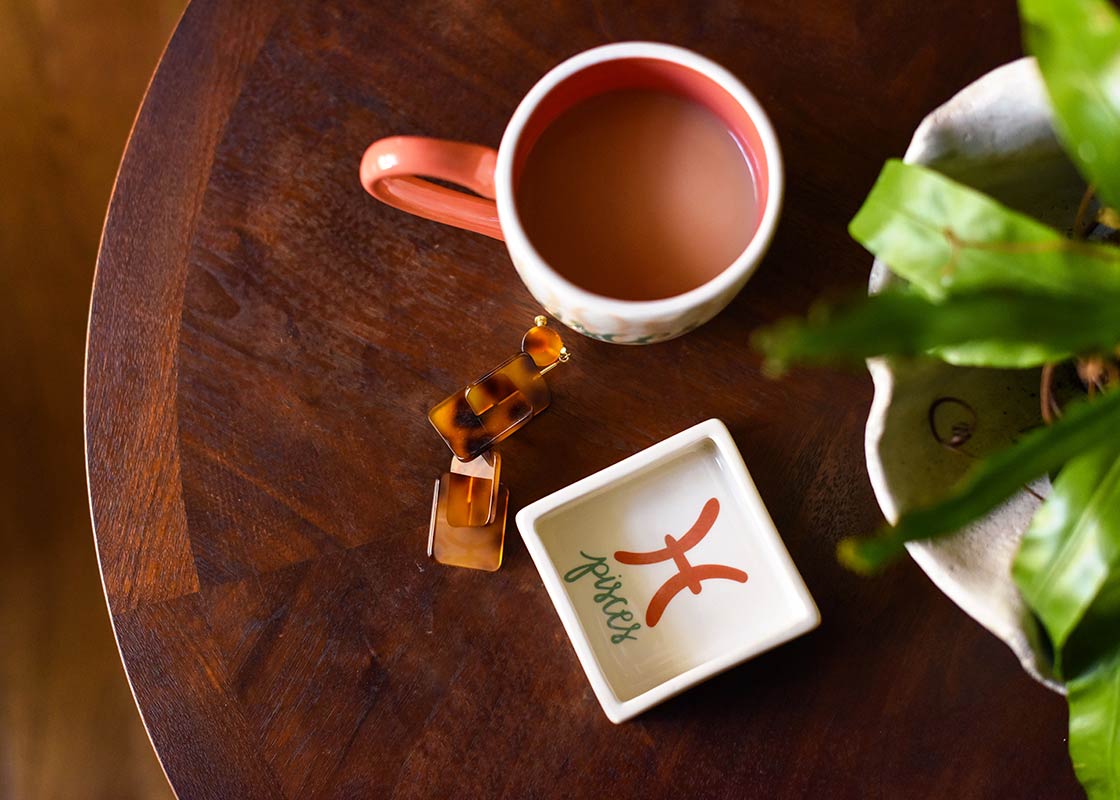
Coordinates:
(975, 284)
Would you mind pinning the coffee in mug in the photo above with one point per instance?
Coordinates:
(638, 194)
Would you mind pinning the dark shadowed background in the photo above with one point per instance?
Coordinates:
(72, 74)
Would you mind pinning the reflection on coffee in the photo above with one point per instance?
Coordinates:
(638, 195)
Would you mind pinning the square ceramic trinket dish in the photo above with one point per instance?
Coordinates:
(666, 569)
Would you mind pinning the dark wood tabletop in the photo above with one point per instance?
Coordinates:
(265, 340)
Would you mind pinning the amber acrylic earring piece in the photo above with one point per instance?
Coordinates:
(468, 526)
(479, 416)
(469, 504)
(472, 490)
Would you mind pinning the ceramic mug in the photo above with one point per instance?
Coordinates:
(393, 171)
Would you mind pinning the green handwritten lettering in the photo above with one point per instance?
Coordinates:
(618, 638)
(607, 585)
(593, 565)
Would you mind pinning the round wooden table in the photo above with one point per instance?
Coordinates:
(265, 340)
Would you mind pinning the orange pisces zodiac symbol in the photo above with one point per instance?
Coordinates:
(687, 575)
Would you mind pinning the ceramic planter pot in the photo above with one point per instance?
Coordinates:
(995, 135)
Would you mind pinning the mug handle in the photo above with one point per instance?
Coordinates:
(391, 170)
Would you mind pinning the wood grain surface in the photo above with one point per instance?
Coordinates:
(265, 340)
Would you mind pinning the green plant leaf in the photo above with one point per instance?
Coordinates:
(1068, 570)
(1094, 727)
(1071, 551)
(991, 328)
(1095, 636)
(993, 480)
(1077, 45)
(944, 237)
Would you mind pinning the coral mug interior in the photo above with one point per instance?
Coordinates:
(648, 78)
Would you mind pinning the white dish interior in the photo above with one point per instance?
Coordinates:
(574, 536)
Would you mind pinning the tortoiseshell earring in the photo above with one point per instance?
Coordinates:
(469, 504)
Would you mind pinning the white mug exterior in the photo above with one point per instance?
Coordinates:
(633, 321)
